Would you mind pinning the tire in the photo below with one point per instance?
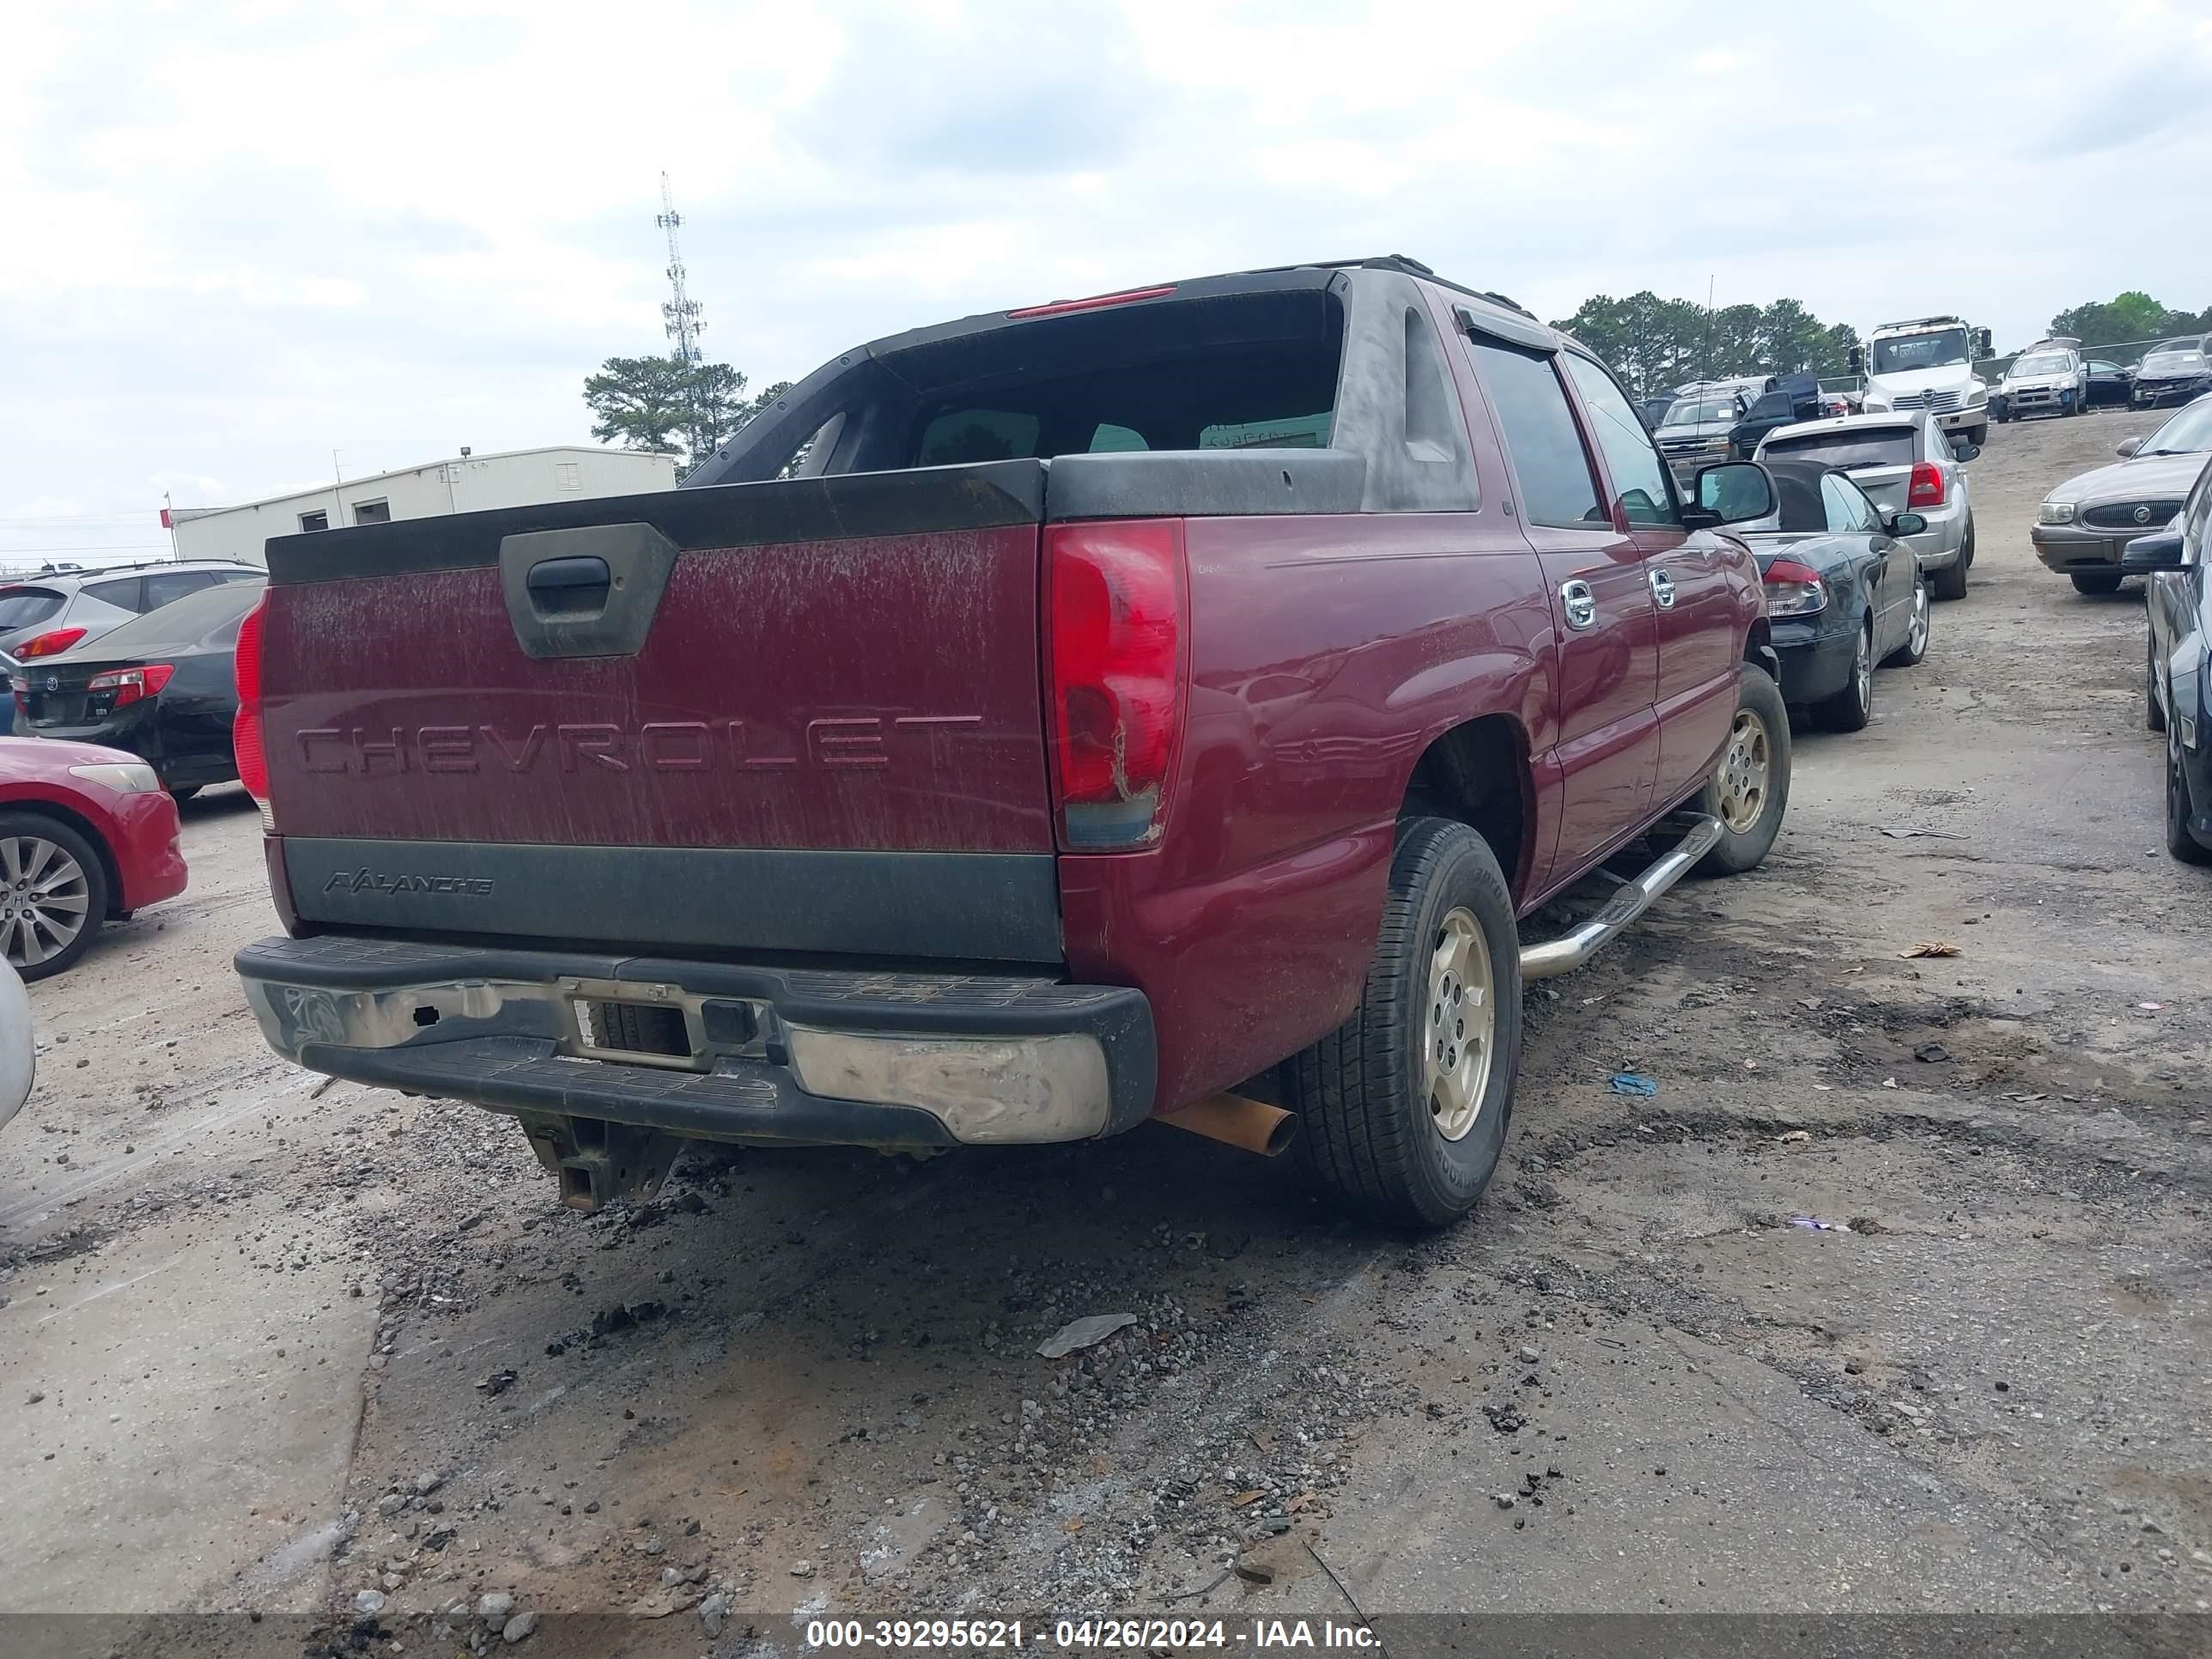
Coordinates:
(2098, 582)
(1852, 707)
(184, 793)
(2179, 841)
(45, 927)
(2154, 713)
(1375, 1126)
(1950, 582)
(1758, 700)
(1978, 435)
(1915, 649)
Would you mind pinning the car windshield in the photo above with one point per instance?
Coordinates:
(2175, 351)
(1910, 351)
(1694, 411)
(21, 607)
(2047, 362)
(2189, 433)
(1880, 446)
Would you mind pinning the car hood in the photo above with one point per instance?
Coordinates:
(51, 757)
(2144, 474)
(1697, 429)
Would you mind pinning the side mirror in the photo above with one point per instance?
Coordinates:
(2128, 447)
(1963, 451)
(1732, 492)
(2147, 553)
(1856, 360)
(1904, 523)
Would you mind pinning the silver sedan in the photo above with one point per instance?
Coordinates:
(1906, 463)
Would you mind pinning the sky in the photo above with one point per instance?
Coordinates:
(235, 238)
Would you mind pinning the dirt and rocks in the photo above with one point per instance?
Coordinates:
(1895, 1296)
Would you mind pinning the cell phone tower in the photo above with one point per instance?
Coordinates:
(680, 312)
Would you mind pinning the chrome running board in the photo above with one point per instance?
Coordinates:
(1571, 950)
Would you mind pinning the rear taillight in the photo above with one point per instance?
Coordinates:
(1114, 606)
(245, 733)
(132, 685)
(49, 645)
(1794, 589)
(1926, 489)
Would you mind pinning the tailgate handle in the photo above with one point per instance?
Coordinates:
(589, 592)
(570, 587)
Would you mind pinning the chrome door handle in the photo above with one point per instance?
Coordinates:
(1662, 589)
(1581, 605)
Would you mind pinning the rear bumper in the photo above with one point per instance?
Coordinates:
(1816, 663)
(776, 1054)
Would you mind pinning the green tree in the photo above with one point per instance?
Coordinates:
(641, 403)
(2131, 316)
(670, 407)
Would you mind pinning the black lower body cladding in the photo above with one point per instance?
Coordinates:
(979, 907)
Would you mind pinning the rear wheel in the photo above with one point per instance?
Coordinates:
(2095, 582)
(1403, 1109)
(1909, 654)
(2180, 808)
(53, 893)
(1950, 582)
(1749, 790)
(1978, 435)
(1850, 708)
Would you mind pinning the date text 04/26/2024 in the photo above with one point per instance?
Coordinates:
(1087, 1634)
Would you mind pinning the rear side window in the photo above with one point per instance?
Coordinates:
(1637, 472)
(1846, 509)
(167, 586)
(1557, 487)
(1875, 446)
(25, 607)
(128, 594)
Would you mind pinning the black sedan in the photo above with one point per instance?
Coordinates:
(2178, 694)
(1843, 591)
(160, 687)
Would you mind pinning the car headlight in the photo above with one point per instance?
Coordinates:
(124, 777)
(2055, 512)
(1980, 394)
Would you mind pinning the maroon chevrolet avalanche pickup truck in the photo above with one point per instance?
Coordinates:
(1168, 703)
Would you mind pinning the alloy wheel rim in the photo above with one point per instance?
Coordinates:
(1917, 639)
(2177, 786)
(1743, 774)
(1459, 1024)
(45, 900)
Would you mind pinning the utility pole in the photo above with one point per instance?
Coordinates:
(680, 312)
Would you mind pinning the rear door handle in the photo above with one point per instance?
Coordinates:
(1579, 602)
(1662, 589)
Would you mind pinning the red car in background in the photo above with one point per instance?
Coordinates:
(87, 836)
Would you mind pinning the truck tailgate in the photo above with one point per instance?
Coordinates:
(802, 714)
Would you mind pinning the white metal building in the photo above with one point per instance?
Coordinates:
(517, 478)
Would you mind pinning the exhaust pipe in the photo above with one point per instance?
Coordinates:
(1250, 1125)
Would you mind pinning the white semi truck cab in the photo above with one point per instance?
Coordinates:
(1927, 363)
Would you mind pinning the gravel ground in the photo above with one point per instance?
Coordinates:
(341, 1358)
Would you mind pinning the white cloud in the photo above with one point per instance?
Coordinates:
(242, 235)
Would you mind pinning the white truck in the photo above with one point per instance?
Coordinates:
(1927, 363)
